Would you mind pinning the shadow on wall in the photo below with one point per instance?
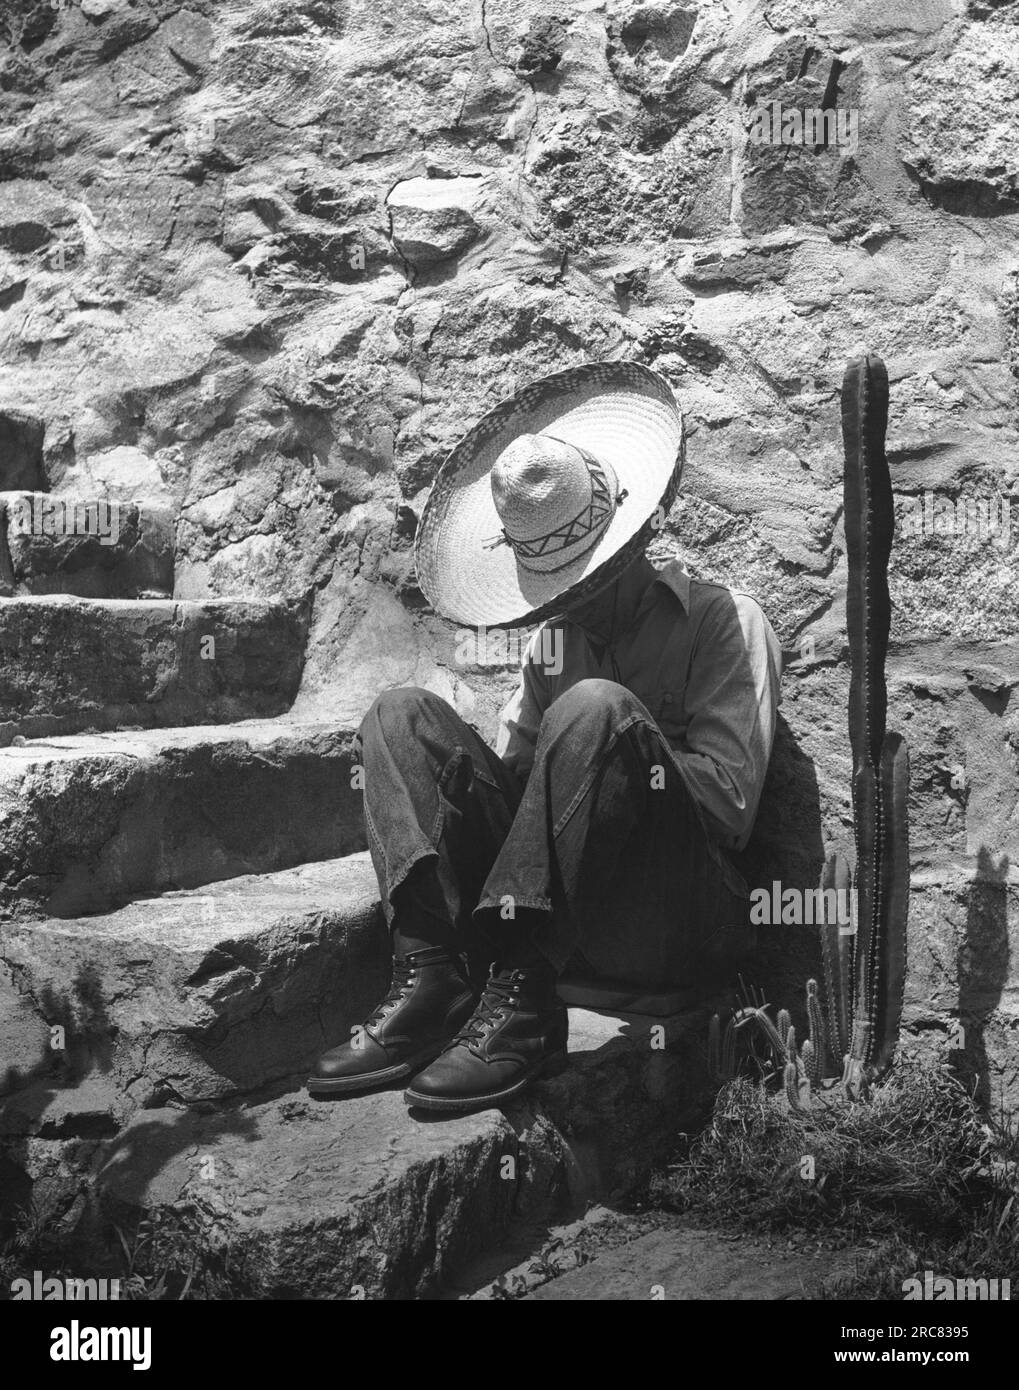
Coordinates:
(982, 966)
(21, 445)
(787, 845)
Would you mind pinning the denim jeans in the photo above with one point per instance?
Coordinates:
(603, 849)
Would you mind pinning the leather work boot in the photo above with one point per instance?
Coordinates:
(517, 1032)
(429, 999)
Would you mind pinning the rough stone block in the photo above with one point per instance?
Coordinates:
(89, 547)
(961, 997)
(203, 994)
(71, 664)
(432, 218)
(89, 821)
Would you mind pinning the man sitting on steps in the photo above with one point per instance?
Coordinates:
(629, 761)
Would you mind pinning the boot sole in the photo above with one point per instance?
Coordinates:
(550, 1066)
(371, 1081)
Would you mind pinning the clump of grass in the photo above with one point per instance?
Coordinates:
(917, 1172)
(978, 1254)
(166, 1256)
(161, 1256)
(33, 1239)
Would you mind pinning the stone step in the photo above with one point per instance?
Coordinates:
(652, 1254)
(679, 1262)
(201, 995)
(68, 664)
(91, 547)
(362, 1198)
(90, 821)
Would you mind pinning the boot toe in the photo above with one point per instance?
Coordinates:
(346, 1061)
(335, 1064)
(459, 1077)
(439, 1078)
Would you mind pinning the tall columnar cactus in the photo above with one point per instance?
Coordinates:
(837, 958)
(865, 956)
(880, 761)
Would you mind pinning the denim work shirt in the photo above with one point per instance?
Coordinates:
(705, 663)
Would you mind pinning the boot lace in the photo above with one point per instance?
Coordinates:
(499, 994)
(403, 976)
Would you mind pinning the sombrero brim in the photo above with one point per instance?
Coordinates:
(621, 412)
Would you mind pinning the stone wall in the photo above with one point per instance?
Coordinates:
(262, 263)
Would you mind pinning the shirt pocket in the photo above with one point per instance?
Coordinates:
(669, 714)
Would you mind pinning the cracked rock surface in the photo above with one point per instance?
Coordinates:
(205, 994)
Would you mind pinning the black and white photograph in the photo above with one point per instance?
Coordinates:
(509, 671)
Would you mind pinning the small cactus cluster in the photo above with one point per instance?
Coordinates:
(802, 1072)
(801, 1067)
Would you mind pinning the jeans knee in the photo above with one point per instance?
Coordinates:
(589, 701)
(402, 705)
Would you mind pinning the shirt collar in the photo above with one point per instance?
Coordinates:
(675, 578)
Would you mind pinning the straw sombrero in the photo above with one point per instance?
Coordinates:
(550, 495)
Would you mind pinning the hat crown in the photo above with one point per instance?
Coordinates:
(553, 498)
(536, 481)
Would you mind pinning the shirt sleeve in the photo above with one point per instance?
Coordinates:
(521, 715)
(732, 699)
